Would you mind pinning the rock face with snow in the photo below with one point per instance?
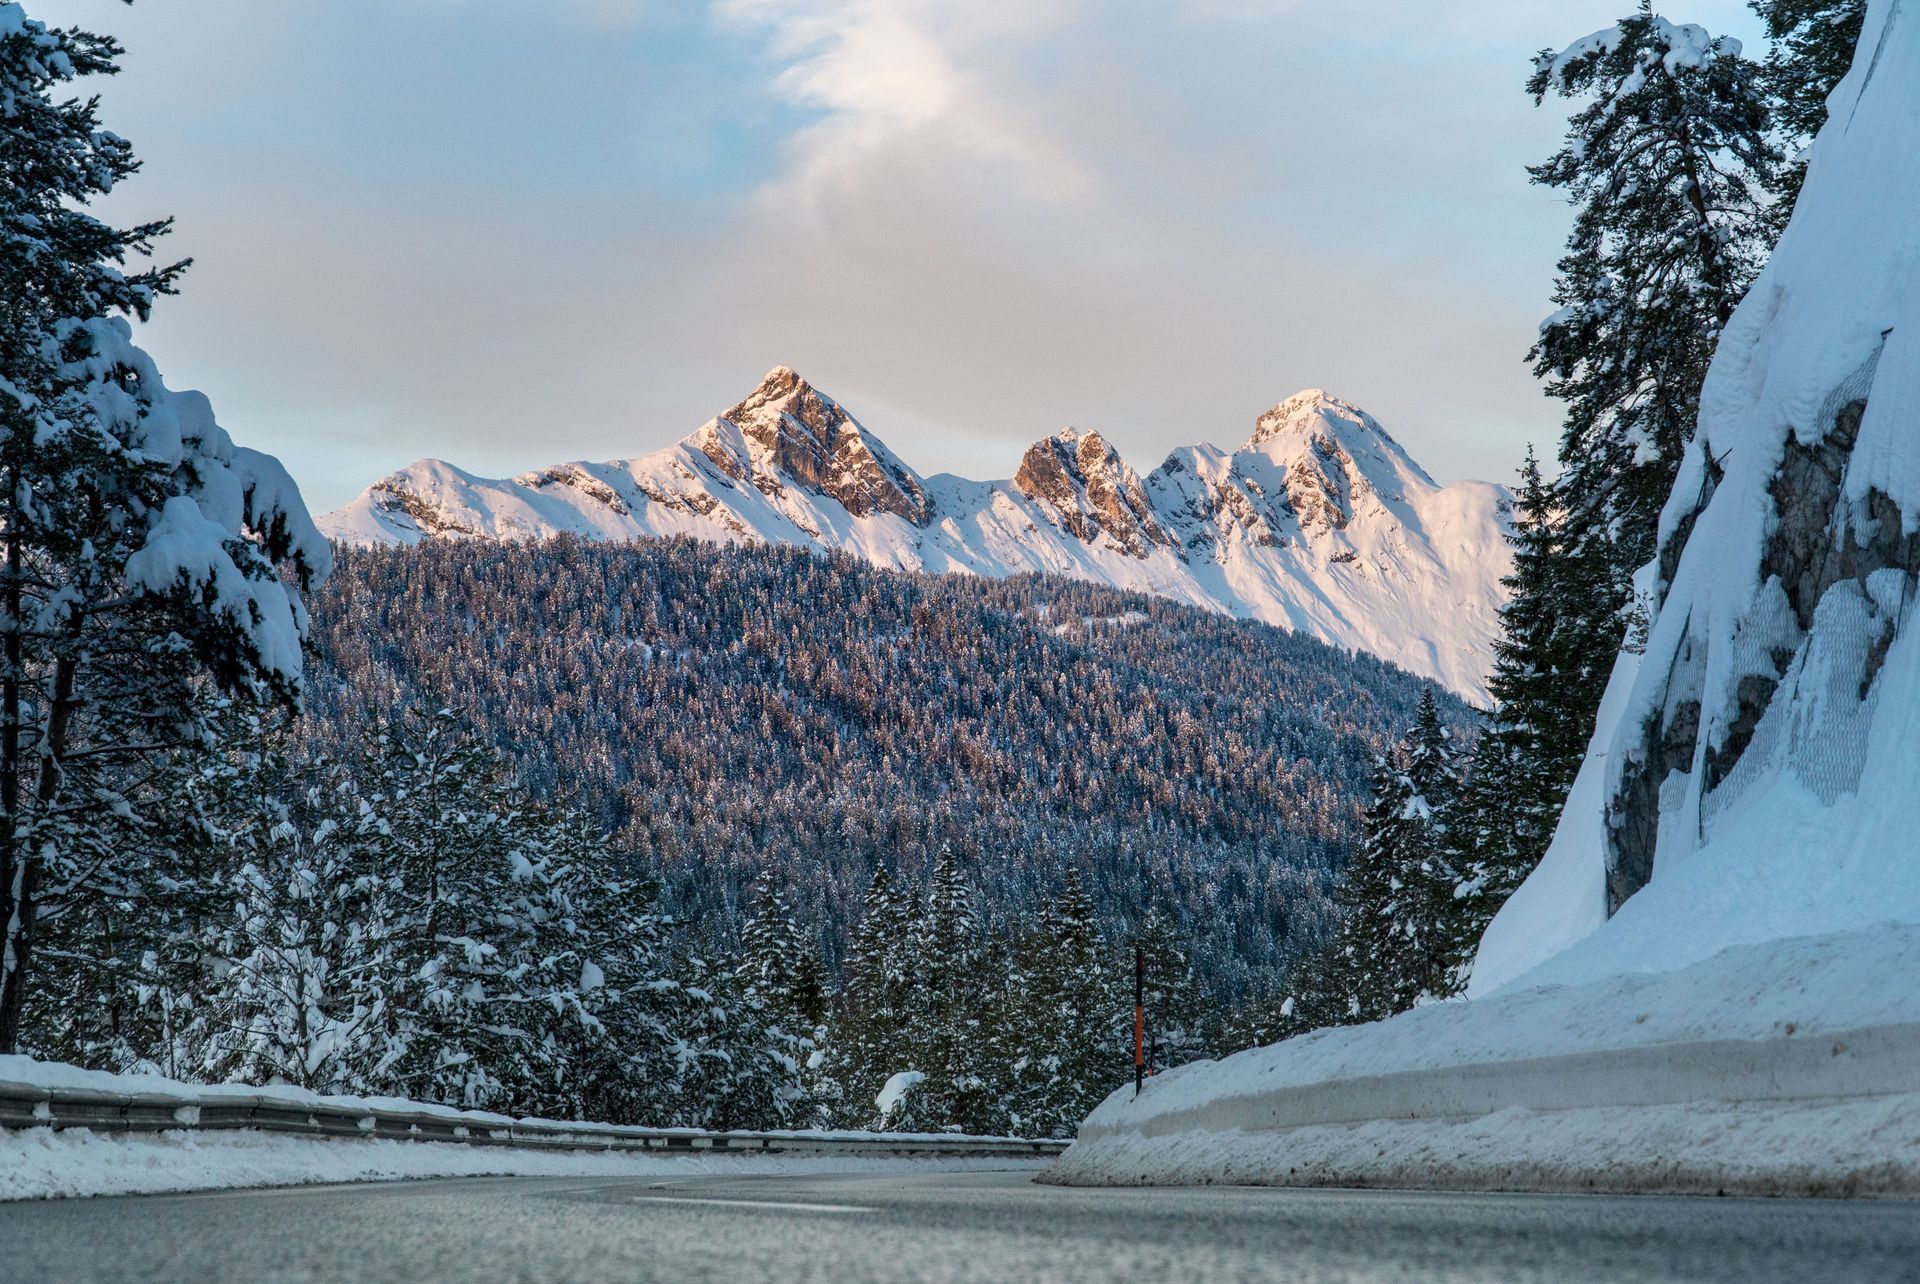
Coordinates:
(1320, 522)
(1759, 757)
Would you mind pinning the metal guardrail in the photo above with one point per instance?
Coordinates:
(25, 1105)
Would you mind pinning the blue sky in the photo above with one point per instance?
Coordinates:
(507, 234)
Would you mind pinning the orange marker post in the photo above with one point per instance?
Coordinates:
(1139, 1018)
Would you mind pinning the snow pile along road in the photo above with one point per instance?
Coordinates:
(1780, 1068)
(38, 1163)
(267, 1138)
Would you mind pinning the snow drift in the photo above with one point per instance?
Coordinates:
(1733, 875)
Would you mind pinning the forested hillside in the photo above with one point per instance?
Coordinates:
(734, 710)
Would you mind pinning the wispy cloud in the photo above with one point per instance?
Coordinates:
(912, 84)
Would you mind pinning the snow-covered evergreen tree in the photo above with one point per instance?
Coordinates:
(1813, 44)
(1550, 662)
(141, 551)
(872, 1020)
(304, 993)
(1400, 939)
(1064, 1056)
(1668, 164)
(779, 963)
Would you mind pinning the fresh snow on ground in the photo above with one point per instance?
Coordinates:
(38, 1163)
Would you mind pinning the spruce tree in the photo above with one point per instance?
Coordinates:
(142, 554)
(1398, 940)
(1063, 1050)
(1426, 909)
(305, 996)
(871, 1020)
(1667, 163)
(1813, 47)
(1551, 659)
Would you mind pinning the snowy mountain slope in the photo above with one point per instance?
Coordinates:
(1320, 522)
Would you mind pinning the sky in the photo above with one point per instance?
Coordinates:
(508, 234)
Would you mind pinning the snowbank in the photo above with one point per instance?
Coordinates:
(1779, 1068)
(38, 1163)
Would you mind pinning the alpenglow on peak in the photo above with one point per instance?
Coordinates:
(1320, 523)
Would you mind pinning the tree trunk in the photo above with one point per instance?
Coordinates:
(15, 886)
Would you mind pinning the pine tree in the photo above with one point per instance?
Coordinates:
(871, 1021)
(304, 996)
(1551, 661)
(142, 554)
(1813, 47)
(1062, 1051)
(1668, 164)
(778, 966)
(1398, 941)
(777, 974)
(948, 1021)
(1426, 909)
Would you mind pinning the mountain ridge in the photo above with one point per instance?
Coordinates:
(1320, 522)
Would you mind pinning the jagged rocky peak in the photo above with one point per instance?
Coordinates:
(797, 435)
(1332, 452)
(1097, 495)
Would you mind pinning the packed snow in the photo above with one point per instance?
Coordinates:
(895, 1090)
(1770, 1069)
(1320, 523)
(38, 1163)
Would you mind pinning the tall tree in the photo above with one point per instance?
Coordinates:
(1065, 1055)
(872, 1018)
(1397, 943)
(1813, 46)
(1667, 163)
(141, 551)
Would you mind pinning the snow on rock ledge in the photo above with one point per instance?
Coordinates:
(1756, 779)
(1781, 1068)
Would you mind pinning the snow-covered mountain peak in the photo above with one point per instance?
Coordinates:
(1094, 493)
(1320, 524)
(1319, 420)
(1335, 459)
(795, 435)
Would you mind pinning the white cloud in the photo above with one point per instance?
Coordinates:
(911, 82)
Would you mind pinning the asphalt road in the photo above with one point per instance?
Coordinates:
(997, 1227)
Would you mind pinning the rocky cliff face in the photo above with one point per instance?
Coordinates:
(1093, 492)
(1319, 522)
(796, 435)
(1759, 756)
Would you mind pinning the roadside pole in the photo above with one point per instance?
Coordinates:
(1139, 1018)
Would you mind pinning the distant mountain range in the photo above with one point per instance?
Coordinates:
(1320, 522)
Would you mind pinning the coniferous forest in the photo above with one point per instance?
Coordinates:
(729, 712)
